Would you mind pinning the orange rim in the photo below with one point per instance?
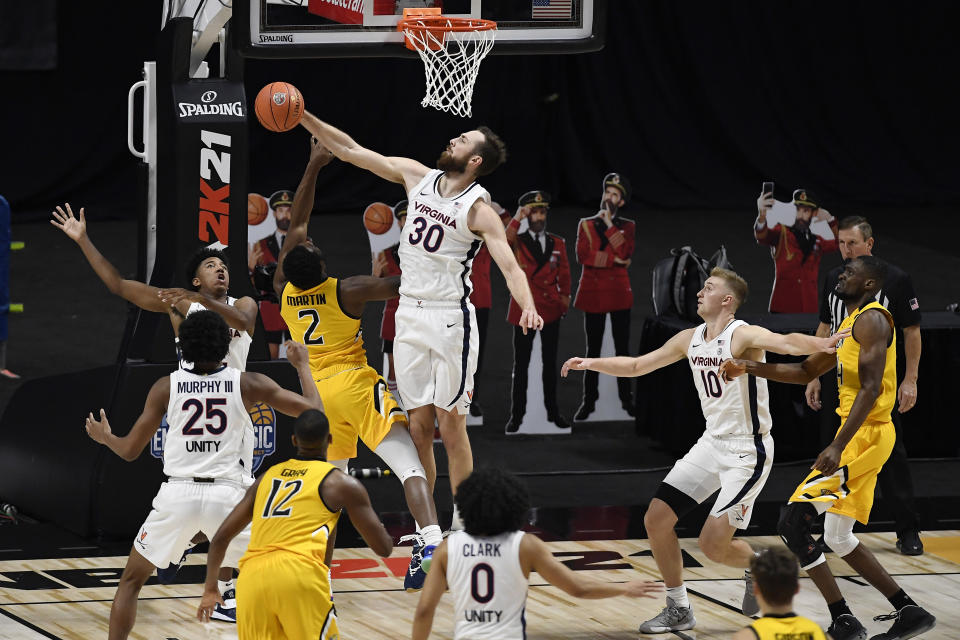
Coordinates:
(444, 25)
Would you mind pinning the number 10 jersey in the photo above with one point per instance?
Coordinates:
(740, 407)
(436, 246)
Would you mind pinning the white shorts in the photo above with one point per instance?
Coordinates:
(737, 466)
(435, 354)
(180, 509)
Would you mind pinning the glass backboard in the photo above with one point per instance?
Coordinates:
(367, 28)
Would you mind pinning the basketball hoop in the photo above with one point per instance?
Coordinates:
(452, 50)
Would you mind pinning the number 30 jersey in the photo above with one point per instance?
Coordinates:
(436, 246)
(488, 586)
(315, 319)
(737, 408)
(208, 422)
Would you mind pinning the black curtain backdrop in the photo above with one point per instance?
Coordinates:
(696, 102)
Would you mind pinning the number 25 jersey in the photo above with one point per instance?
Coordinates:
(208, 422)
(436, 246)
(316, 320)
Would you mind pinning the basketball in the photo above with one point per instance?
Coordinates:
(256, 209)
(279, 106)
(378, 218)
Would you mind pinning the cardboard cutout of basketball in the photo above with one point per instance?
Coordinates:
(378, 218)
(256, 209)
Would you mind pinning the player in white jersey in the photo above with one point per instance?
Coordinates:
(735, 453)
(448, 216)
(207, 411)
(487, 566)
(208, 273)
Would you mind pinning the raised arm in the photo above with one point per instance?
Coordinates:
(794, 344)
(140, 294)
(406, 171)
(484, 221)
(356, 291)
(131, 445)
(792, 373)
(536, 556)
(340, 491)
(232, 525)
(433, 588)
(303, 199)
(257, 387)
(242, 315)
(625, 367)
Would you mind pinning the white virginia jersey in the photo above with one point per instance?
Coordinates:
(236, 358)
(208, 423)
(488, 586)
(738, 408)
(239, 342)
(436, 246)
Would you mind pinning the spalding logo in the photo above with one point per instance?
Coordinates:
(208, 96)
(279, 98)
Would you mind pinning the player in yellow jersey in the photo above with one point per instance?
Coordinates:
(774, 571)
(323, 313)
(283, 589)
(844, 476)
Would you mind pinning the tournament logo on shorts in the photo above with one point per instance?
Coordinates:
(264, 420)
(158, 439)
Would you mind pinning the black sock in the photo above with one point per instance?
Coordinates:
(838, 609)
(900, 599)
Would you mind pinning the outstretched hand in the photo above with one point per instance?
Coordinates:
(98, 430)
(829, 345)
(319, 154)
(210, 599)
(577, 364)
(732, 368)
(297, 354)
(642, 588)
(74, 227)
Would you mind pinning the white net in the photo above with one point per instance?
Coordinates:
(451, 61)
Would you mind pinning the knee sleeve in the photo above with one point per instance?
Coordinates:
(796, 521)
(681, 503)
(400, 454)
(838, 533)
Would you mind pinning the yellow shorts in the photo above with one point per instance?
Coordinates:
(358, 405)
(850, 489)
(283, 595)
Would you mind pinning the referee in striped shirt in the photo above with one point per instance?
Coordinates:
(896, 484)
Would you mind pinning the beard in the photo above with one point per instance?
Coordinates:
(446, 162)
(538, 226)
(284, 224)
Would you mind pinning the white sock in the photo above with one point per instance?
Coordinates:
(431, 535)
(456, 524)
(678, 595)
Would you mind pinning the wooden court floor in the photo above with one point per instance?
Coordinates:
(70, 598)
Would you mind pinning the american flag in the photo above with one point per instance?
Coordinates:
(552, 9)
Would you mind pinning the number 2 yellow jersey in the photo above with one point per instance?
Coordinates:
(316, 320)
(848, 371)
(289, 513)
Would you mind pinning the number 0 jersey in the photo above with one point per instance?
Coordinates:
(848, 371)
(488, 586)
(289, 513)
(316, 320)
(208, 422)
(436, 246)
(738, 408)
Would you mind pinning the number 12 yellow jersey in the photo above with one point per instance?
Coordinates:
(289, 513)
